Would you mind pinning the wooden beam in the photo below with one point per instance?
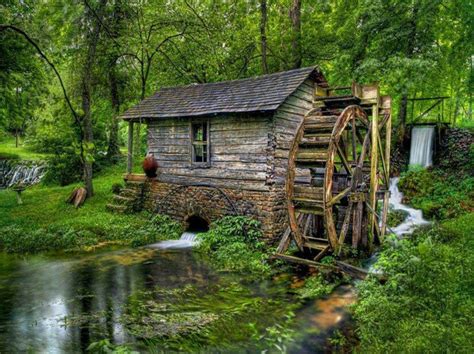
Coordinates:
(373, 171)
(130, 147)
(338, 197)
(349, 269)
(285, 241)
(388, 141)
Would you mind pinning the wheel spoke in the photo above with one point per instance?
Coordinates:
(344, 160)
(345, 224)
(338, 197)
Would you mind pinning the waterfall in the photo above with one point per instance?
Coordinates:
(421, 151)
(24, 172)
(187, 240)
(414, 217)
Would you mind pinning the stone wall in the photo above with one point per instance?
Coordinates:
(212, 203)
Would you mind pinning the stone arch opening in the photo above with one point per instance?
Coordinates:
(195, 223)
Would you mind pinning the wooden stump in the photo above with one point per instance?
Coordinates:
(77, 197)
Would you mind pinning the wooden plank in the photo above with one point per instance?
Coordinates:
(373, 171)
(285, 241)
(216, 173)
(312, 155)
(130, 147)
(214, 182)
(309, 192)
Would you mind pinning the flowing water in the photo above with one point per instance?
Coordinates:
(421, 150)
(187, 240)
(26, 173)
(62, 303)
(414, 216)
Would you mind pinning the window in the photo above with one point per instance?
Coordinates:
(200, 142)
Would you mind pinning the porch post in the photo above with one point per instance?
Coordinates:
(130, 147)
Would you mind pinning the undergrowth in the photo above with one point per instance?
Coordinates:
(440, 195)
(427, 303)
(233, 243)
(46, 222)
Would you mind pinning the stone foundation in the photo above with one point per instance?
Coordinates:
(212, 203)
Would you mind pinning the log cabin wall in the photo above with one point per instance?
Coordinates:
(248, 150)
(238, 150)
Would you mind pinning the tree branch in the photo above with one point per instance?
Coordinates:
(51, 65)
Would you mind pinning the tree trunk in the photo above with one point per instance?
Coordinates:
(87, 129)
(263, 34)
(113, 150)
(402, 114)
(295, 16)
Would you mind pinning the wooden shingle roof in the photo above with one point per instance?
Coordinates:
(259, 94)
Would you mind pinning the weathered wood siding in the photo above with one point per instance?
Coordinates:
(285, 124)
(239, 146)
(247, 152)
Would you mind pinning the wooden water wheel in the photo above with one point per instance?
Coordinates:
(338, 174)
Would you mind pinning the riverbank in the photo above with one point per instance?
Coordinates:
(45, 222)
(427, 302)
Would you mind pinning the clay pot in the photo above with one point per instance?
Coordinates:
(150, 165)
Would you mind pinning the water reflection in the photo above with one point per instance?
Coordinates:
(62, 304)
(37, 293)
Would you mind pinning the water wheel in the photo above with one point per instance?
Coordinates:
(337, 180)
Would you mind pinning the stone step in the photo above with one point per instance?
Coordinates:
(119, 209)
(121, 200)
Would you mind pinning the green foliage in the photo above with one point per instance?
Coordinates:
(45, 222)
(456, 151)
(105, 347)
(116, 188)
(315, 287)
(191, 319)
(438, 195)
(426, 305)
(396, 217)
(160, 227)
(234, 243)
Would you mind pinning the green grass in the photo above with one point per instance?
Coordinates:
(45, 221)
(8, 150)
(439, 194)
(427, 304)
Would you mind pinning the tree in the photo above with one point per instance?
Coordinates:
(295, 15)
(263, 35)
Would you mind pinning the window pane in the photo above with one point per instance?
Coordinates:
(198, 132)
(204, 131)
(199, 153)
(200, 136)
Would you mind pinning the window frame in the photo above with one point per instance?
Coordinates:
(206, 143)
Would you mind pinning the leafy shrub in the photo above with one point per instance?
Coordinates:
(316, 286)
(396, 217)
(64, 167)
(438, 195)
(116, 188)
(426, 304)
(456, 152)
(160, 227)
(15, 239)
(233, 243)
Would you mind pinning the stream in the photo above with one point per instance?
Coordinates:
(62, 303)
